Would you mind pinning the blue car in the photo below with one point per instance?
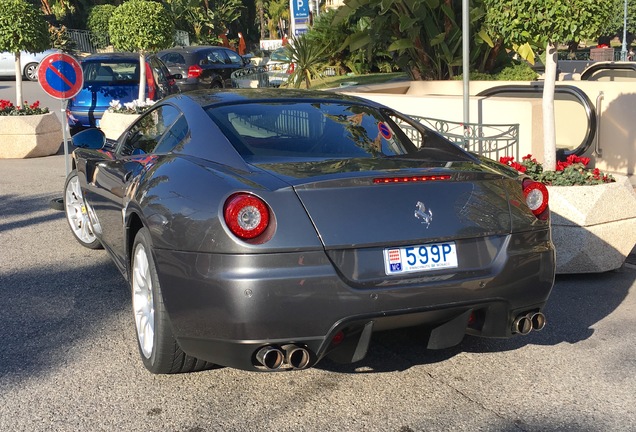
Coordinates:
(115, 76)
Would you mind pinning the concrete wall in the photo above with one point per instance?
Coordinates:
(443, 100)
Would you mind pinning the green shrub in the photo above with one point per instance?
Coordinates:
(97, 23)
(61, 40)
(140, 26)
(517, 72)
(477, 76)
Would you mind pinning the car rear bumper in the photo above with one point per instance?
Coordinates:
(84, 119)
(224, 308)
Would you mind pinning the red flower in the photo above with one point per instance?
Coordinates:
(518, 167)
(506, 160)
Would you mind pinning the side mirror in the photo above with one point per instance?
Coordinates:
(89, 139)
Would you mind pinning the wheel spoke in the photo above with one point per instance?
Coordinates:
(76, 212)
(143, 306)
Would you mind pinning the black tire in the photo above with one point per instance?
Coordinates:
(31, 71)
(76, 212)
(216, 85)
(57, 204)
(162, 355)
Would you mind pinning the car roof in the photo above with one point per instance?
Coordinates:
(195, 49)
(207, 98)
(118, 56)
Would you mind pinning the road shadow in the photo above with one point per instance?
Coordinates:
(576, 304)
(50, 310)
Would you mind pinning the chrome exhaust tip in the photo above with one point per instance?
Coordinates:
(522, 325)
(538, 321)
(297, 357)
(270, 357)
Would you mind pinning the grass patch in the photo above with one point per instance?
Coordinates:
(374, 78)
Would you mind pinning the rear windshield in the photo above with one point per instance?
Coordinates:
(111, 72)
(300, 130)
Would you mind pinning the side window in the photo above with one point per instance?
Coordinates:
(175, 58)
(147, 133)
(216, 57)
(173, 136)
(234, 57)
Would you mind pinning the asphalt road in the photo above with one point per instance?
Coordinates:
(69, 361)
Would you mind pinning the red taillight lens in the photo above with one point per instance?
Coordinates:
(195, 71)
(411, 179)
(247, 216)
(536, 198)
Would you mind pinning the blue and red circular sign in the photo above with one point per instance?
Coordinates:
(60, 76)
(385, 131)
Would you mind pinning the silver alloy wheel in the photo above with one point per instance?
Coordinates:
(76, 212)
(31, 71)
(142, 301)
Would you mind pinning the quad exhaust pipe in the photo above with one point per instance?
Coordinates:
(272, 358)
(524, 324)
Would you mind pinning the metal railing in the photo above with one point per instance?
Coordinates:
(84, 40)
(490, 140)
(259, 77)
(89, 42)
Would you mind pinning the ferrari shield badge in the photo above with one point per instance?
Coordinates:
(423, 214)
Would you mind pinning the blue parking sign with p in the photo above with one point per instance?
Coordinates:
(301, 8)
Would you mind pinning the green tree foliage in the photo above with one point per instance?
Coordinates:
(97, 23)
(204, 20)
(426, 36)
(22, 28)
(526, 25)
(141, 26)
(617, 18)
(278, 14)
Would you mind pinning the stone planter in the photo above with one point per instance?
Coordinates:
(29, 136)
(114, 124)
(593, 227)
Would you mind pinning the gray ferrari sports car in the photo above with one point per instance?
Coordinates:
(268, 229)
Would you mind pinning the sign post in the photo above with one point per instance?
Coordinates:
(60, 76)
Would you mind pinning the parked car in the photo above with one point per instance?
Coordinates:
(28, 61)
(202, 67)
(115, 76)
(266, 229)
(279, 66)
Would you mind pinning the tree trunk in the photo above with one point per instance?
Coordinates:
(549, 129)
(261, 17)
(18, 81)
(142, 77)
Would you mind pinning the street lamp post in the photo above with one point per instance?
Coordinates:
(624, 49)
(466, 68)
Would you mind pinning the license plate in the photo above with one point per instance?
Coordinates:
(428, 257)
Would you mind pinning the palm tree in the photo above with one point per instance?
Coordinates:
(307, 55)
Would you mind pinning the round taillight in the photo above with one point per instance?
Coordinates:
(246, 215)
(536, 196)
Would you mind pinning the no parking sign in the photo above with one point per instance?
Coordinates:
(60, 76)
